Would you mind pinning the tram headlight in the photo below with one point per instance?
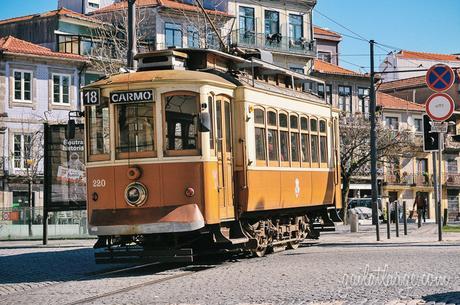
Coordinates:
(136, 194)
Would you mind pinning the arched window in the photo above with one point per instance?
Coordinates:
(314, 141)
(284, 138)
(260, 139)
(305, 141)
(294, 137)
(272, 137)
(323, 141)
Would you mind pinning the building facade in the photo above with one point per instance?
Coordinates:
(84, 6)
(37, 85)
(280, 32)
(327, 45)
(410, 60)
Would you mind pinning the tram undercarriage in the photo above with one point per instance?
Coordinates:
(255, 234)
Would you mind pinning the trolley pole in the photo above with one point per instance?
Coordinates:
(132, 35)
(373, 136)
(441, 144)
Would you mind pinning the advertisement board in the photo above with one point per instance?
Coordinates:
(65, 175)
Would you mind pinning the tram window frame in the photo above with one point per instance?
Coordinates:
(273, 128)
(105, 156)
(314, 138)
(294, 130)
(132, 154)
(284, 131)
(212, 136)
(183, 152)
(323, 143)
(305, 159)
(263, 127)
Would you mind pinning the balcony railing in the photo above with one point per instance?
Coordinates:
(452, 179)
(274, 42)
(417, 179)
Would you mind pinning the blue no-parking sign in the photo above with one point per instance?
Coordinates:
(440, 78)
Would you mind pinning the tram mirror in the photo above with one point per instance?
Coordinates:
(205, 122)
(70, 129)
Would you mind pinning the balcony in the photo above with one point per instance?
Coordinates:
(452, 179)
(274, 43)
(417, 179)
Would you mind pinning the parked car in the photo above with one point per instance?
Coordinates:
(363, 207)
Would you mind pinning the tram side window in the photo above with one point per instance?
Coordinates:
(284, 137)
(314, 141)
(272, 135)
(259, 120)
(99, 131)
(181, 113)
(135, 129)
(294, 124)
(323, 141)
(305, 141)
(211, 114)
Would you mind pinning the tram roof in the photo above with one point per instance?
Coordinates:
(161, 76)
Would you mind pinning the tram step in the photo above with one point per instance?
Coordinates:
(322, 228)
(137, 254)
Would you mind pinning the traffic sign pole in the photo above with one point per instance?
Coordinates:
(441, 140)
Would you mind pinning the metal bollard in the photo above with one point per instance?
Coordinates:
(354, 222)
(404, 217)
(446, 214)
(388, 219)
(397, 218)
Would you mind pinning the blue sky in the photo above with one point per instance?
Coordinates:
(418, 25)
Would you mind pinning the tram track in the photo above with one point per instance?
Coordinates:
(180, 273)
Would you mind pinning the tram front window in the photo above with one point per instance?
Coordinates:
(181, 113)
(98, 131)
(135, 129)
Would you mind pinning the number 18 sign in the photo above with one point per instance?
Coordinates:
(91, 97)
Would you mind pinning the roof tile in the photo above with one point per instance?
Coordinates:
(10, 44)
(60, 12)
(388, 101)
(417, 81)
(428, 56)
(328, 68)
(326, 32)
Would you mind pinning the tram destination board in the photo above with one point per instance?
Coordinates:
(65, 176)
(120, 97)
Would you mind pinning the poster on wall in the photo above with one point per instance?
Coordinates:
(65, 169)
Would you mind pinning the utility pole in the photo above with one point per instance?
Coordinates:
(132, 35)
(373, 106)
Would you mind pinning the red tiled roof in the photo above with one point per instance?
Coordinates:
(387, 101)
(328, 68)
(60, 12)
(162, 3)
(417, 81)
(10, 44)
(326, 32)
(428, 56)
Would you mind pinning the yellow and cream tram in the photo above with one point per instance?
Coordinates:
(202, 151)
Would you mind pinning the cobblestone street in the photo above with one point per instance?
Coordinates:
(341, 268)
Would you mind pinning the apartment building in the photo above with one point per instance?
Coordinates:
(280, 32)
(84, 6)
(327, 44)
(37, 85)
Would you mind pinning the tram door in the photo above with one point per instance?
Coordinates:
(225, 158)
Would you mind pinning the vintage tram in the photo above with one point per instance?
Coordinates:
(202, 151)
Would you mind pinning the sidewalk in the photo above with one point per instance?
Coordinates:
(53, 243)
(427, 234)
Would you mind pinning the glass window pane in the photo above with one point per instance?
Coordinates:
(211, 115)
(304, 123)
(271, 118)
(271, 22)
(294, 120)
(181, 122)
(219, 125)
(305, 148)
(260, 143)
(314, 149)
(313, 125)
(65, 89)
(259, 117)
(17, 85)
(27, 86)
(323, 149)
(135, 125)
(322, 126)
(228, 131)
(295, 147)
(99, 129)
(283, 120)
(284, 144)
(272, 145)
